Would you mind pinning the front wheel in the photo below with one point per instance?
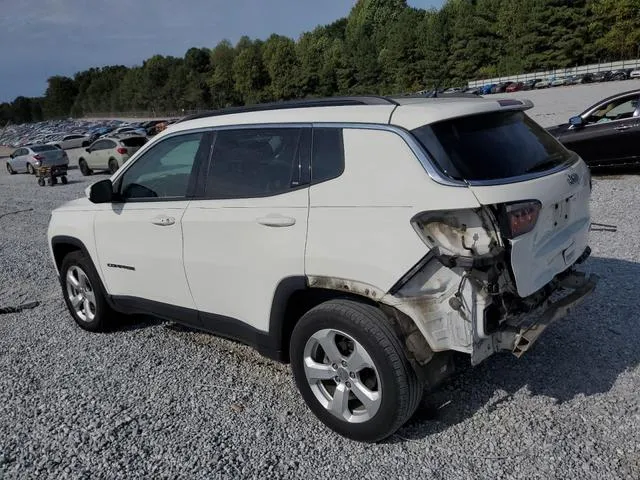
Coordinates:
(83, 293)
(352, 372)
(10, 170)
(84, 168)
(64, 180)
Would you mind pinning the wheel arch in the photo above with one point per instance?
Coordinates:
(295, 296)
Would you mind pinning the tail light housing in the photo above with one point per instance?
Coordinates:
(121, 150)
(522, 217)
(38, 157)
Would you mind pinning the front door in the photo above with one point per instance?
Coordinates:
(139, 240)
(247, 235)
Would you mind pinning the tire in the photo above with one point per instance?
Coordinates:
(84, 168)
(93, 313)
(113, 165)
(41, 182)
(10, 170)
(53, 181)
(365, 329)
(30, 169)
(64, 180)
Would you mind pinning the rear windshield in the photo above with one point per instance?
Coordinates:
(133, 141)
(43, 148)
(491, 146)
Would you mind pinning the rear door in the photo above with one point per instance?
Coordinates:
(248, 233)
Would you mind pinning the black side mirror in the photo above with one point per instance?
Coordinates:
(576, 121)
(88, 150)
(11, 156)
(101, 192)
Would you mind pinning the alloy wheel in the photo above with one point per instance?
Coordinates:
(81, 294)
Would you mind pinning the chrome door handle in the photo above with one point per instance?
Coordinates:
(622, 128)
(163, 220)
(276, 221)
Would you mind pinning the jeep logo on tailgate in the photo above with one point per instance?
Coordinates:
(573, 178)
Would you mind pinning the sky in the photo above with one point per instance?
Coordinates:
(41, 38)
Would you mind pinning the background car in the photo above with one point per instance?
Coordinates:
(28, 158)
(607, 133)
(601, 76)
(67, 142)
(621, 74)
(129, 130)
(109, 153)
(543, 84)
(486, 89)
(635, 73)
(558, 82)
(530, 84)
(515, 87)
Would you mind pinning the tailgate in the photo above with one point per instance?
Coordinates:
(54, 157)
(561, 232)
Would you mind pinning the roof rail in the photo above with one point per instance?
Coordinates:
(304, 103)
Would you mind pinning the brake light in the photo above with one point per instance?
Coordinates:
(121, 150)
(38, 157)
(522, 217)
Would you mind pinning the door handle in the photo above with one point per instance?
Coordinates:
(163, 220)
(276, 221)
(622, 128)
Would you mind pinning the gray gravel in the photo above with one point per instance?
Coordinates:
(155, 400)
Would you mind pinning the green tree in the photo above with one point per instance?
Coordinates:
(59, 97)
(249, 74)
(221, 82)
(281, 63)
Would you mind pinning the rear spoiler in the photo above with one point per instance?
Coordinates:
(513, 104)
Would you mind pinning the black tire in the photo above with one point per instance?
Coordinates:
(64, 180)
(84, 168)
(104, 315)
(30, 169)
(113, 165)
(400, 388)
(54, 181)
(41, 182)
(10, 170)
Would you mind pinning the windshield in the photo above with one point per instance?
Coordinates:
(491, 146)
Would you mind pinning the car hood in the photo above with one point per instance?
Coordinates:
(79, 204)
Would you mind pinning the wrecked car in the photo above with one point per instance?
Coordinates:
(361, 239)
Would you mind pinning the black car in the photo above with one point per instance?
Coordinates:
(601, 76)
(607, 133)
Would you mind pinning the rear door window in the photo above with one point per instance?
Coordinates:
(43, 148)
(491, 146)
(256, 162)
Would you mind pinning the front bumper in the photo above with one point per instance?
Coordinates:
(519, 339)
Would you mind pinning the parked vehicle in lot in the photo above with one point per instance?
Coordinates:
(621, 74)
(543, 84)
(515, 87)
(487, 89)
(500, 87)
(363, 243)
(109, 153)
(634, 73)
(129, 130)
(530, 84)
(67, 142)
(474, 90)
(580, 79)
(607, 133)
(558, 82)
(27, 159)
(601, 76)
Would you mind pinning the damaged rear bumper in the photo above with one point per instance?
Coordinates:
(519, 339)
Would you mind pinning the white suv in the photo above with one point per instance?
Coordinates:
(363, 240)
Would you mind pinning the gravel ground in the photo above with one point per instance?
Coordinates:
(155, 400)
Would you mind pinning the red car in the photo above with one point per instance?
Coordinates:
(515, 87)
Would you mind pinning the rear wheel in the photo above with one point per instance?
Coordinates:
(84, 168)
(113, 165)
(83, 293)
(41, 182)
(351, 370)
(10, 170)
(30, 169)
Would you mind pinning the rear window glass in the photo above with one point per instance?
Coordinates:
(491, 146)
(43, 148)
(133, 141)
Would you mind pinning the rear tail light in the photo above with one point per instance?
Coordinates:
(121, 150)
(522, 217)
(38, 157)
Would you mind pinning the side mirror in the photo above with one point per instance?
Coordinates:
(576, 121)
(11, 156)
(88, 150)
(101, 192)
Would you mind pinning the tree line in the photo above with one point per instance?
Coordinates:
(381, 47)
